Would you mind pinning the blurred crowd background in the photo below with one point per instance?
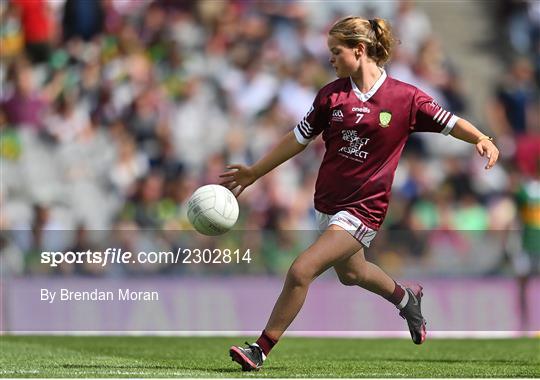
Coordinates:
(113, 111)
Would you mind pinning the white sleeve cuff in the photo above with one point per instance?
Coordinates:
(450, 125)
(301, 139)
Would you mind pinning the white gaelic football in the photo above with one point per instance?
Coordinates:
(212, 210)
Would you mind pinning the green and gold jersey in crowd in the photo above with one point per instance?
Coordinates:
(528, 198)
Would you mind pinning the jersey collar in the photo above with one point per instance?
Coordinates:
(365, 97)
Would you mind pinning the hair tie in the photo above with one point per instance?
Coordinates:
(375, 26)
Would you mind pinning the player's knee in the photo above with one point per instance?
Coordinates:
(299, 275)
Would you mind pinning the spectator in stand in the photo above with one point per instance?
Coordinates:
(412, 23)
(68, 118)
(145, 208)
(11, 33)
(38, 27)
(25, 106)
(513, 107)
(82, 19)
(526, 257)
(10, 142)
(145, 122)
(130, 166)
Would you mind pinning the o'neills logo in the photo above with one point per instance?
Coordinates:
(384, 119)
(337, 115)
(361, 109)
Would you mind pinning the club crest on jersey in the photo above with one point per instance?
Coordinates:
(337, 115)
(384, 119)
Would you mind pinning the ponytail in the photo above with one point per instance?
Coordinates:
(376, 34)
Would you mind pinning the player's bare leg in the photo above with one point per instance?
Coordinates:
(357, 271)
(334, 245)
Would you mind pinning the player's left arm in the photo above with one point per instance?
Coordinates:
(465, 131)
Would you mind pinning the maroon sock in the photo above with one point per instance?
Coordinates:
(266, 343)
(397, 296)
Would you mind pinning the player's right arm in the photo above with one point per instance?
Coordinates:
(241, 176)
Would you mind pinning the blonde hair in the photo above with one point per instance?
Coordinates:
(376, 34)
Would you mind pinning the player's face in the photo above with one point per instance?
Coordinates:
(342, 58)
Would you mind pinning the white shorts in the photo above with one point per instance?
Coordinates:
(349, 223)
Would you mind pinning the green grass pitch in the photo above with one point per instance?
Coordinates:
(59, 356)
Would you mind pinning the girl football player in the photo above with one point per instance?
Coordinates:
(365, 118)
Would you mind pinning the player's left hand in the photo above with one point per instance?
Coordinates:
(487, 148)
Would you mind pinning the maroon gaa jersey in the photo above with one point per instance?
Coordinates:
(364, 135)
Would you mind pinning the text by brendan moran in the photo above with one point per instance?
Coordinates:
(127, 295)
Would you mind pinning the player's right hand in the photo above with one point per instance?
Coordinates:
(238, 178)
